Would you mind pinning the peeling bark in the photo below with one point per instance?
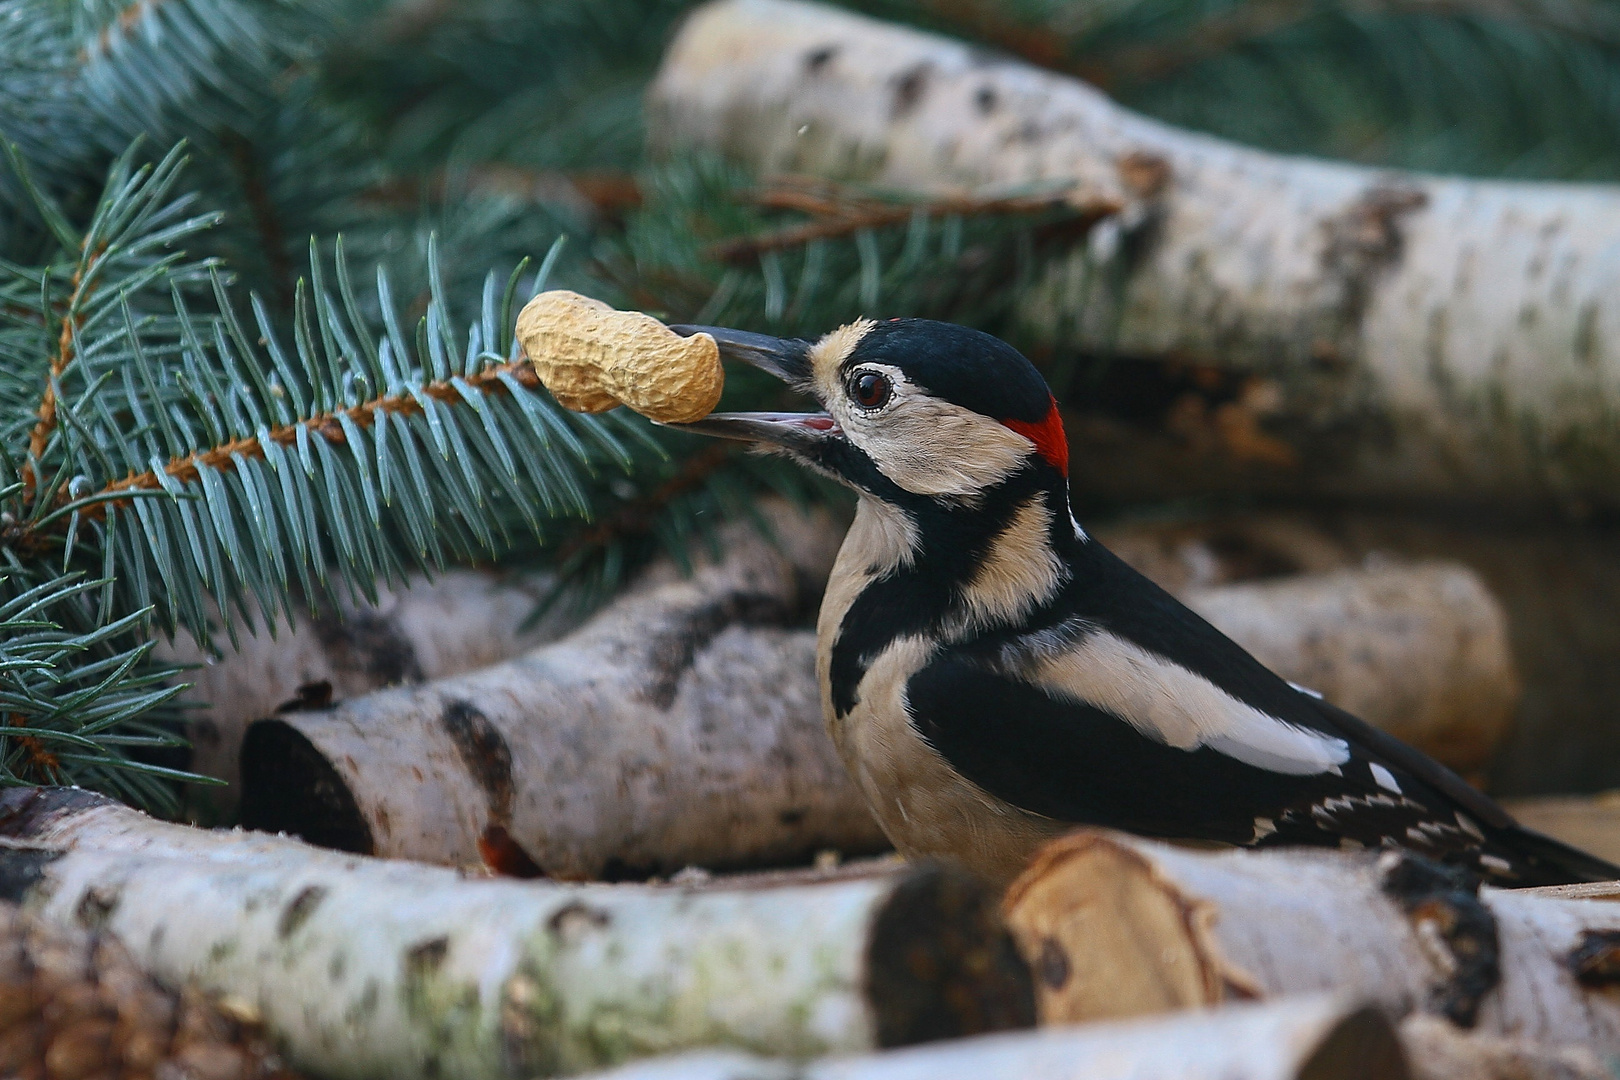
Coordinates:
(366, 968)
(1115, 926)
(1408, 334)
(1308, 1038)
(681, 725)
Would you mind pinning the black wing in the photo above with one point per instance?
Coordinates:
(1073, 761)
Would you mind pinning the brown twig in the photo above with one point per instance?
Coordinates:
(843, 217)
(127, 18)
(47, 769)
(266, 217)
(45, 424)
(327, 425)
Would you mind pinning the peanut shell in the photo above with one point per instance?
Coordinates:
(592, 357)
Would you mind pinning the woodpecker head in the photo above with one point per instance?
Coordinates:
(913, 408)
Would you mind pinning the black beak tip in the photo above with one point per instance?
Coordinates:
(786, 358)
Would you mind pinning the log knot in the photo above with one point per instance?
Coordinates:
(1595, 960)
(1453, 925)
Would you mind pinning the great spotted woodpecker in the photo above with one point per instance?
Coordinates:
(993, 676)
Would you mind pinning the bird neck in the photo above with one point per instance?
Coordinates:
(949, 569)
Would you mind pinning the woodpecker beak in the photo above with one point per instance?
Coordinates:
(786, 358)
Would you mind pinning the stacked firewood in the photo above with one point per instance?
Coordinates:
(478, 848)
(679, 728)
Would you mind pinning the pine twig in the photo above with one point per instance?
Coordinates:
(45, 424)
(223, 458)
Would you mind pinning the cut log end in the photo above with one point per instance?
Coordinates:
(1148, 949)
(289, 786)
(941, 964)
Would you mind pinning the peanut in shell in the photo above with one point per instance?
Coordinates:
(593, 358)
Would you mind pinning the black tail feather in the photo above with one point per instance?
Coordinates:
(1541, 860)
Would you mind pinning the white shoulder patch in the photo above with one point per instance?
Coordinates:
(1172, 705)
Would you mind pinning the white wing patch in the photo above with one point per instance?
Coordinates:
(1383, 777)
(1172, 705)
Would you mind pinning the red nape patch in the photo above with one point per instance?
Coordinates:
(1050, 441)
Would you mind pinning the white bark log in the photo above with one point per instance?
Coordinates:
(1459, 329)
(673, 728)
(1436, 1050)
(568, 763)
(579, 759)
(1307, 1038)
(1116, 926)
(368, 968)
(460, 621)
(1420, 651)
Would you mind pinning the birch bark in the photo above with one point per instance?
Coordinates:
(1423, 335)
(1118, 926)
(368, 968)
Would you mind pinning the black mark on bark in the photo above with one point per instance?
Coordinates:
(485, 753)
(1444, 900)
(816, 60)
(1364, 242)
(1595, 960)
(909, 90)
(297, 913)
(21, 870)
(670, 654)
(370, 643)
(96, 906)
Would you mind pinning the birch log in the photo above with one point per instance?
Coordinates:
(460, 621)
(1307, 1038)
(1117, 926)
(681, 725)
(1437, 1050)
(1426, 335)
(369, 968)
(74, 1005)
(580, 759)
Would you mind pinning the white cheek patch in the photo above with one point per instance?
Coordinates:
(925, 445)
(1172, 705)
(929, 446)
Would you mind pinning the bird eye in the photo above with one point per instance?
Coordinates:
(870, 390)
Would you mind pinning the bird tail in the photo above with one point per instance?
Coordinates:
(1541, 860)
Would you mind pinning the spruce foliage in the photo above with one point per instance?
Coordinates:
(260, 261)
